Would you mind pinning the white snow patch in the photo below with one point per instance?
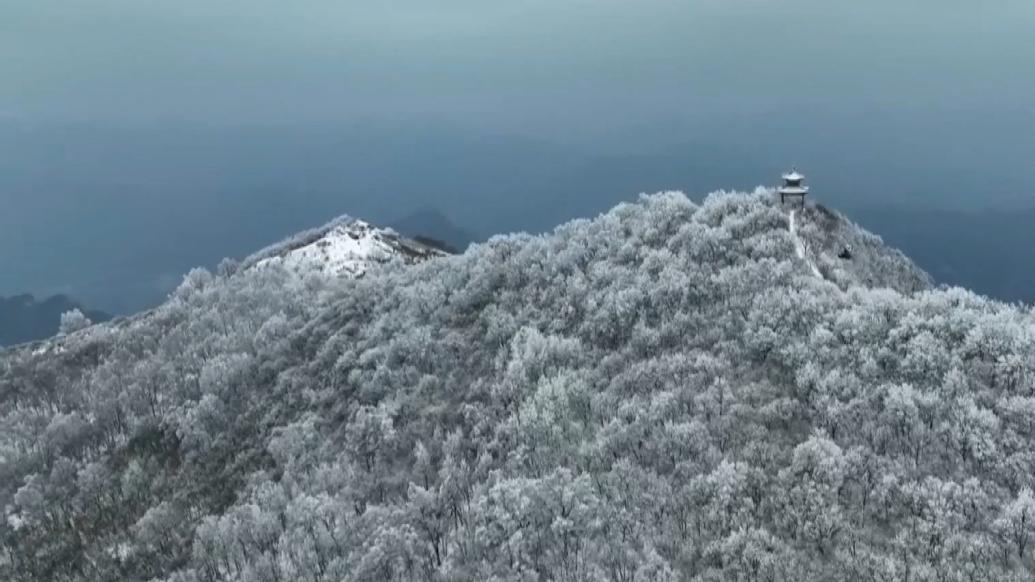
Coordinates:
(799, 247)
(345, 250)
(15, 521)
(120, 551)
(123, 551)
(50, 346)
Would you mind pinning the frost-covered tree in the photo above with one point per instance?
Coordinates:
(665, 392)
(73, 321)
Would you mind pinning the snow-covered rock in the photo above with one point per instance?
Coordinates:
(344, 247)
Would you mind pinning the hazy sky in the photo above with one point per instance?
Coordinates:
(530, 63)
(121, 119)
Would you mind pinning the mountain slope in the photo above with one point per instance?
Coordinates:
(665, 392)
(341, 249)
(848, 255)
(345, 246)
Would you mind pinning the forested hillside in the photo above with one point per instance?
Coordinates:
(665, 392)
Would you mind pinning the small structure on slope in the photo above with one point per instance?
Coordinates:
(793, 187)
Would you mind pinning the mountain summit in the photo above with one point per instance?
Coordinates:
(345, 246)
(669, 391)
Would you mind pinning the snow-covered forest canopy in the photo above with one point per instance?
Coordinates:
(665, 392)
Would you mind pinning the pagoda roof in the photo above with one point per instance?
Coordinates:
(793, 176)
(794, 190)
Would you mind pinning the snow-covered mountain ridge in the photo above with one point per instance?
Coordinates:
(343, 247)
(664, 392)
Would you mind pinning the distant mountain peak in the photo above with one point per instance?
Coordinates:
(431, 226)
(23, 318)
(344, 247)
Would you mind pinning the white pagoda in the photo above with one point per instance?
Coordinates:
(793, 187)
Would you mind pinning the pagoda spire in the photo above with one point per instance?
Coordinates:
(793, 186)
